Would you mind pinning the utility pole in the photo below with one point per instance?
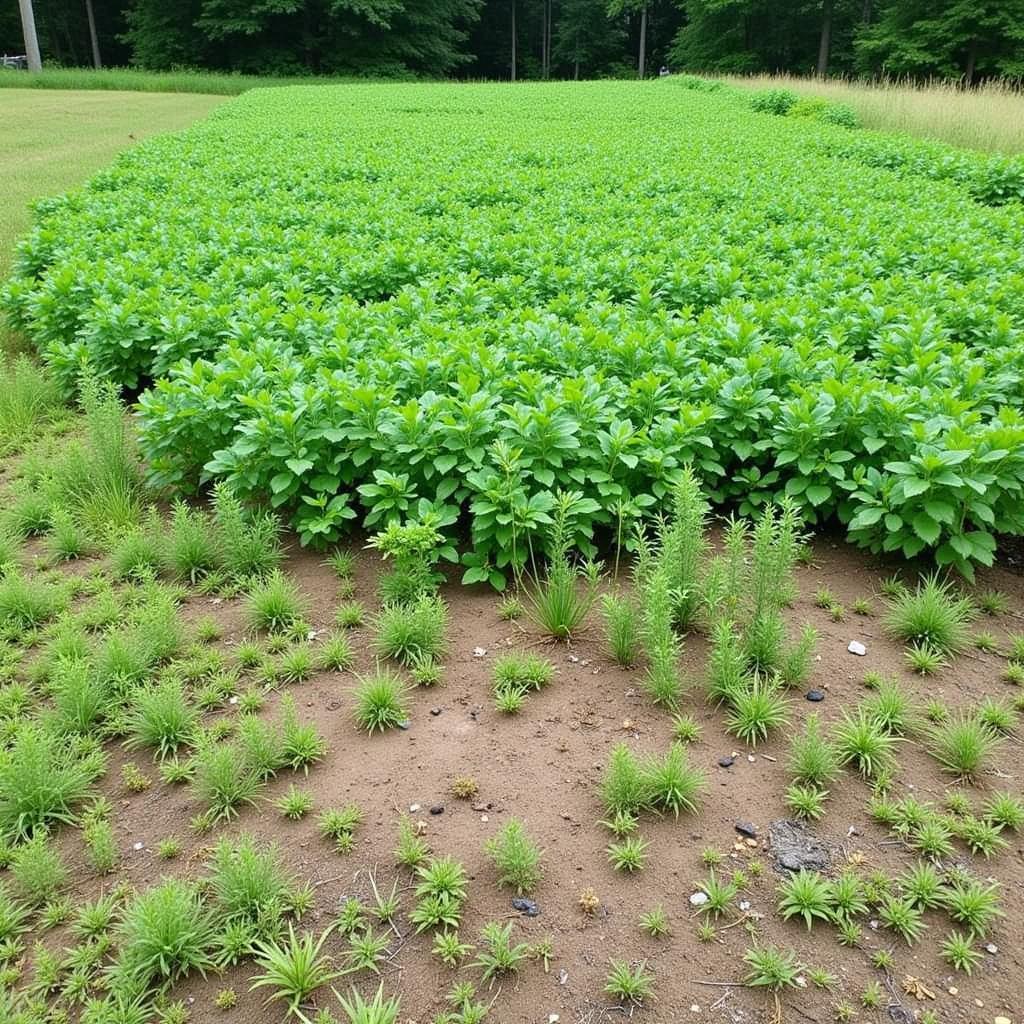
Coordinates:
(28, 25)
(93, 38)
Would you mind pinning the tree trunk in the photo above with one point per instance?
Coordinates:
(825, 43)
(28, 27)
(972, 61)
(93, 38)
(513, 40)
(642, 63)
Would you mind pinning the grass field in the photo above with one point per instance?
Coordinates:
(54, 140)
(135, 80)
(989, 118)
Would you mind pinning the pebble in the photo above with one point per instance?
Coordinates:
(953, 990)
(138, 846)
(856, 647)
(484, 818)
(437, 809)
(751, 758)
(698, 899)
(553, 1018)
(744, 905)
(563, 976)
(726, 762)
(694, 1008)
(1001, 1020)
(413, 808)
(814, 696)
(435, 711)
(526, 907)
(405, 726)
(992, 948)
(746, 828)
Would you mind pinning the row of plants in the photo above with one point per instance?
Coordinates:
(452, 325)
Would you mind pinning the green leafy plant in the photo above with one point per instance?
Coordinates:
(933, 615)
(805, 894)
(629, 984)
(380, 701)
(628, 854)
(294, 969)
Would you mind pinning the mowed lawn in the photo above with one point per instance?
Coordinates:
(53, 140)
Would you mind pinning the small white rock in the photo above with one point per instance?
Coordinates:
(873, 925)
(563, 976)
(744, 905)
(992, 948)
(553, 1018)
(573, 658)
(484, 818)
(751, 758)
(856, 647)
(801, 981)
(694, 1008)
(232, 700)
(413, 808)
(138, 846)
(698, 899)
(479, 652)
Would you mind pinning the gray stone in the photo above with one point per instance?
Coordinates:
(794, 847)
(525, 907)
(856, 647)
(698, 899)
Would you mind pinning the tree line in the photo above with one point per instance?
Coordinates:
(535, 39)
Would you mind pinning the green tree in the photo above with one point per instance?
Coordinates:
(951, 38)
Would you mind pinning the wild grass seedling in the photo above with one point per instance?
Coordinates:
(1005, 810)
(903, 917)
(628, 854)
(933, 615)
(295, 804)
(294, 969)
(516, 857)
(813, 759)
(412, 632)
(168, 849)
(924, 659)
(806, 894)
(719, 896)
(806, 801)
(655, 922)
(986, 642)
(862, 742)
(274, 604)
(380, 701)
(622, 628)
(963, 746)
(450, 949)
(511, 608)
(349, 614)
(412, 850)
(992, 602)
(629, 984)
(465, 787)
(958, 950)
(671, 783)
(223, 780)
(497, 954)
(758, 707)
(685, 729)
(366, 951)
(771, 968)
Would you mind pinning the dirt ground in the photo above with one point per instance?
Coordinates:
(544, 766)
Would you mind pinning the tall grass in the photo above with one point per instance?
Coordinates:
(988, 117)
(135, 80)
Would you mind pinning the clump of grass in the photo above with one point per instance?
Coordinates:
(162, 718)
(190, 548)
(164, 933)
(622, 628)
(685, 729)
(862, 742)
(655, 922)
(671, 783)
(339, 825)
(903, 917)
(1005, 810)
(933, 615)
(771, 968)
(223, 780)
(349, 614)
(465, 787)
(274, 603)
(628, 854)
(963, 745)
(517, 858)
(807, 895)
(813, 758)
(511, 608)
(335, 654)
(440, 893)
(249, 544)
(992, 602)
(758, 707)
(380, 701)
(295, 804)
(806, 801)
(293, 969)
(497, 954)
(629, 984)
(924, 659)
(412, 850)
(561, 600)
(413, 632)
(37, 869)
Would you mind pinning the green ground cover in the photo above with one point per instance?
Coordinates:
(388, 301)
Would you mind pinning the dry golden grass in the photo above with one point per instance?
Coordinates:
(989, 117)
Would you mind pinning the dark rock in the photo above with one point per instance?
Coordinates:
(815, 695)
(437, 809)
(793, 847)
(435, 711)
(525, 907)
(746, 828)
(726, 762)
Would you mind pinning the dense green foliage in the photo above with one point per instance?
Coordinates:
(538, 38)
(418, 302)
